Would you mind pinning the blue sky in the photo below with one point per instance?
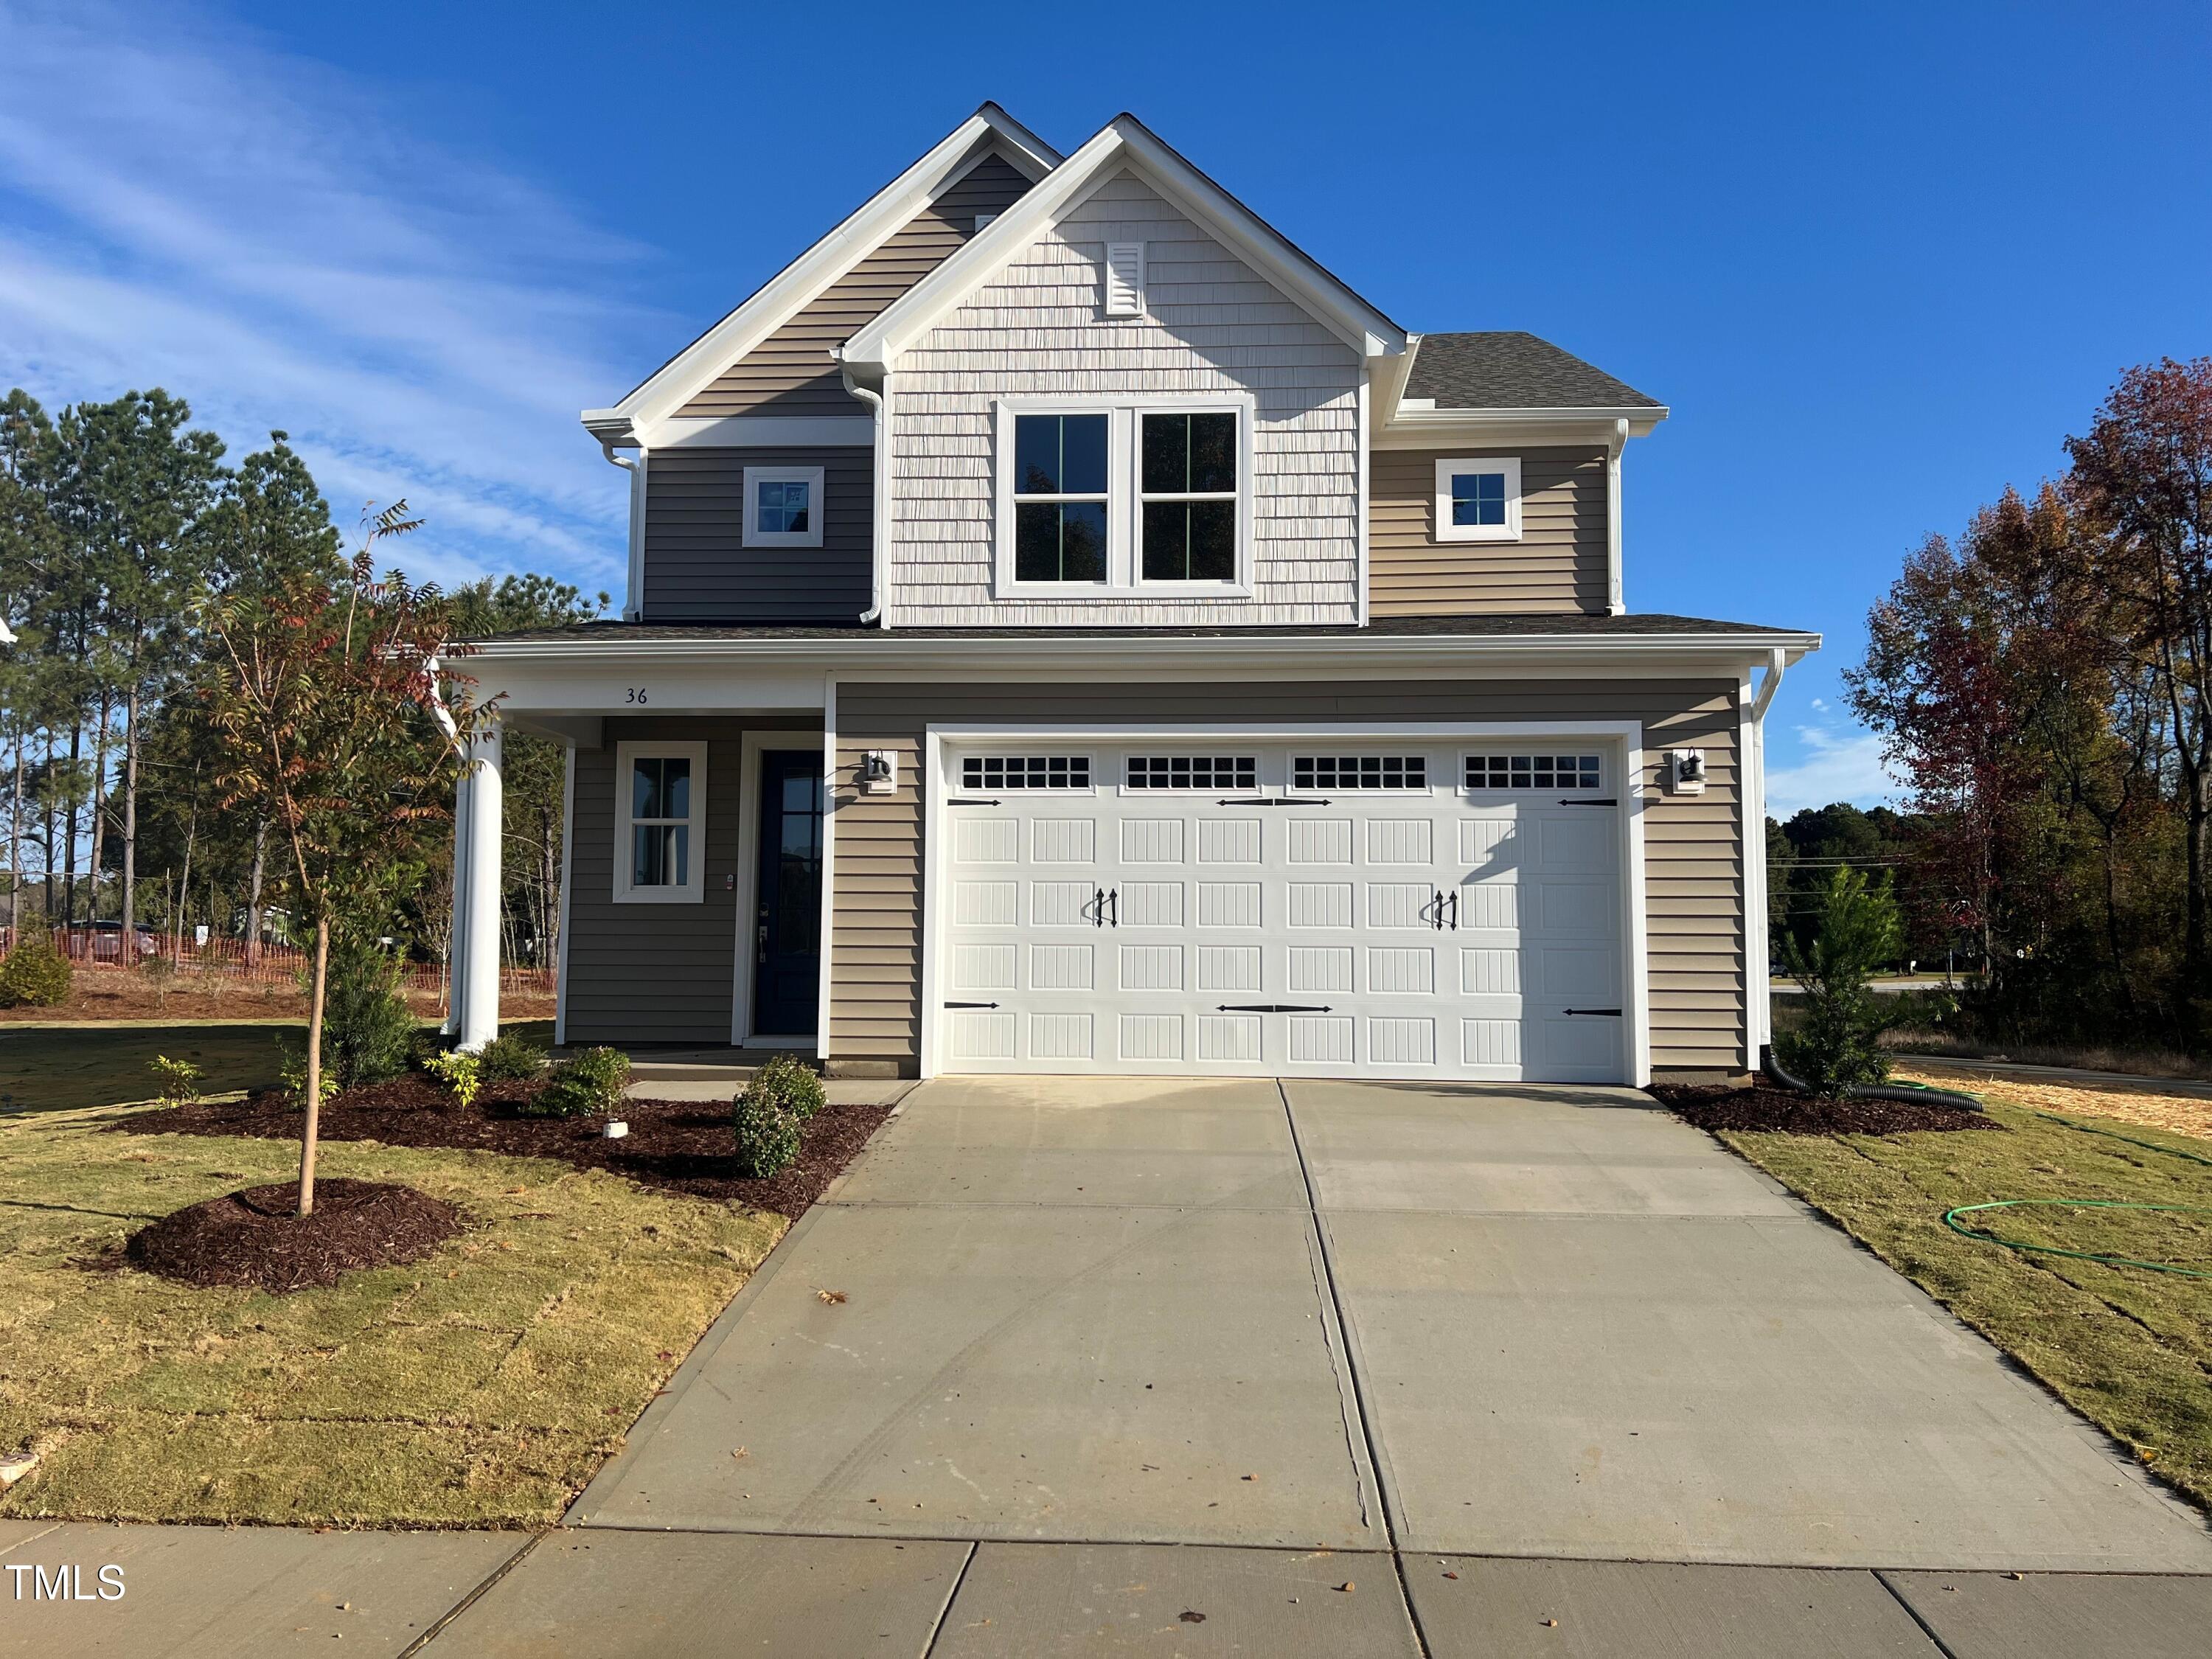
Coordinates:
(1879, 259)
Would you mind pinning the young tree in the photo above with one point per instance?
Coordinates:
(1855, 931)
(324, 696)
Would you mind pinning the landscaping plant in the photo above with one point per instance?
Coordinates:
(793, 1083)
(367, 1028)
(589, 1082)
(769, 1113)
(326, 696)
(180, 1080)
(34, 975)
(1836, 1039)
(461, 1073)
(511, 1057)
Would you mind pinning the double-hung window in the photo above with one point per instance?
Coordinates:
(1124, 498)
(783, 506)
(1186, 484)
(1060, 498)
(660, 822)
(1478, 500)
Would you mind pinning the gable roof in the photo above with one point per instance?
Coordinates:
(1124, 142)
(1508, 368)
(990, 129)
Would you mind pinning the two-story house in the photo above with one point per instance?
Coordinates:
(1069, 630)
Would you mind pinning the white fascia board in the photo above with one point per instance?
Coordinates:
(1389, 375)
(762, 431)
(1417, 423)
(798, 283)
(1123, 141)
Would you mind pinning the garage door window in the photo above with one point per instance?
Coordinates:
(1025, 772)
(1358, 772)
(1535, 772)
(1193, 772)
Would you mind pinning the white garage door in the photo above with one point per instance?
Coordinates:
(1303, 908)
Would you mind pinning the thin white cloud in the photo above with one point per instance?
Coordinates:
(180, 205)
(1831, 769)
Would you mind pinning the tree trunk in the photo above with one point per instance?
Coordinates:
(68, 827)
(253, 880)
(15, 847)
(100, 813)
(314, 1122)
(131, 827)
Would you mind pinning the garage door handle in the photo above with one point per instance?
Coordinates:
(1114, 903)
(1270, 1008)
(1455, 910)
(1615, 1012)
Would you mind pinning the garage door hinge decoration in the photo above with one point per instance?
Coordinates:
(1271, 1008)
(1274, 800)
(1615, 1012)
(971, 1005)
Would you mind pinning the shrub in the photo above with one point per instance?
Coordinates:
(461, 1073)
(34, 975)
(564, 1095)
(768, 1134)
(512, 1058)
(1836, 1041)
(292, 1072)
(367, 1028)
(180, 1080)
(796, 1085)
(603, 1071)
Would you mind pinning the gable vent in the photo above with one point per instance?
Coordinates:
(1125, 279)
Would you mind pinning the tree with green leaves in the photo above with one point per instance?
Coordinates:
(1855, 933)
(327, 696)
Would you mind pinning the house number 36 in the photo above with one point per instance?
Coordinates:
(636, 695)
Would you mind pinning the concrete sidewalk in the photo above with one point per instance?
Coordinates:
(210, 1593)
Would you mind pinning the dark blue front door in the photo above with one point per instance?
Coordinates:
(787, 932)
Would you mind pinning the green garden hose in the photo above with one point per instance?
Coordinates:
(1951, 1220)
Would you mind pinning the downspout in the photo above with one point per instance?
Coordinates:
(634, 599)
(1614, 604)
(879, 517)
(1756, 978)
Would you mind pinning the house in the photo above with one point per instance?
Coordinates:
(1069, 630)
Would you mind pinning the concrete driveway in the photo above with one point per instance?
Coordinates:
(1523, 1322)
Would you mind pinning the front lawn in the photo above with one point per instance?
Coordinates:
(481, 1386)
(2130, 1348)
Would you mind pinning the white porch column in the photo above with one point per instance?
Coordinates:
(477, 979)
(457, 953)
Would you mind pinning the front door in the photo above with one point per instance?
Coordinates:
(787, 929)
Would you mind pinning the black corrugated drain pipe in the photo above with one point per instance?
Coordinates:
(1772, 1069)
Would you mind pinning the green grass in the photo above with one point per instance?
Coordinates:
(2130, 1349)
(46, 1068)
(481, 1386)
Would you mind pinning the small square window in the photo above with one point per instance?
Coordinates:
(783, 506)
(1478, 499)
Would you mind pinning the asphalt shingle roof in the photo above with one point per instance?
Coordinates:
(1510, 369)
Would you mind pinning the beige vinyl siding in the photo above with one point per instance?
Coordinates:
(1692, 862)
(1558, 565)
(1212, 325)
(656, 973)
(697, 568)
(791, 372)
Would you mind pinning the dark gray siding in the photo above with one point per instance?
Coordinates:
(656, 973)
(697, 568)
(791, 372)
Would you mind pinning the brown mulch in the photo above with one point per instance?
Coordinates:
(1776, 1111)
(254, 1238)
(680, 1146)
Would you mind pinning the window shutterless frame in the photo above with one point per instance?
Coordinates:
(1124, 500)
(1478, 499)
(671, 855)
(783, 506)
(1236, 498)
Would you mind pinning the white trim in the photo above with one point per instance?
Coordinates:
(1752, 848)
(694, 889)
(1503, 428)
(1442, 529)
(568, 885)
(762, 432)
(1628, 735)
(1124, 142)
(990, 129)
(634, 593)
(753, 536)
(1121, 280)
(1364, 505)
(1614, 604)
(1124, 496)
(751, 745)
(829, 929)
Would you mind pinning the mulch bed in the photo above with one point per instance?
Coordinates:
(255, 1238)
(681, 1145)
(1782, 1111)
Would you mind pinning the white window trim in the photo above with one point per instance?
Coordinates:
(1446, 531)
(694, 890)
(816, 512)
(1124, 497)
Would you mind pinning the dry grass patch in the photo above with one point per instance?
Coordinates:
(2132, 1102)
(481, 1386)
(2129, 1348)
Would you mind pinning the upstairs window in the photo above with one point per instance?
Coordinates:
(783, 506)
(1478, 500)
(1059, 498)
(1187, 487)
(660, 822)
